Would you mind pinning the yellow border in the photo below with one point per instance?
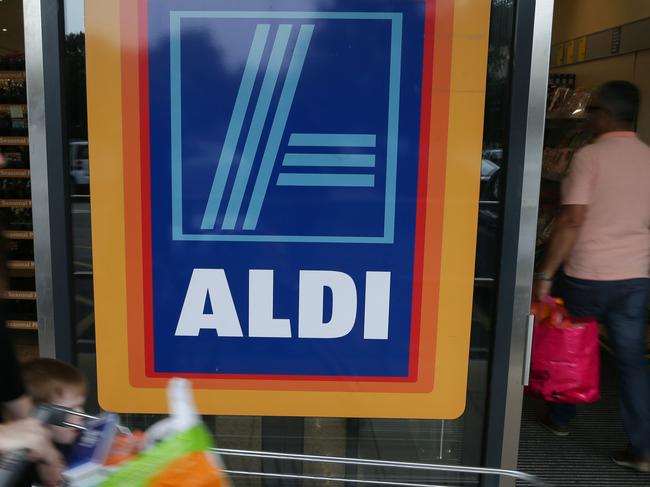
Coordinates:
(447, 401)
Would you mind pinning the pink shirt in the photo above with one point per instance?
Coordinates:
(612, 177)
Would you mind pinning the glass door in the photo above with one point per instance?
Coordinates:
(478, 437)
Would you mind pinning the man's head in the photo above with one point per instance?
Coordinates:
(51, 381)
(614, 107)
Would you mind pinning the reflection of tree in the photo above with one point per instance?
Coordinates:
(75, 85)
(499, 72)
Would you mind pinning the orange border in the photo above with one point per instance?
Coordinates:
(134, 219)
(460, 38)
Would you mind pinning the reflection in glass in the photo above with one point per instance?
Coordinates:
(454, 442)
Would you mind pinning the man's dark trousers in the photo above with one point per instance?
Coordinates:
(622, 307)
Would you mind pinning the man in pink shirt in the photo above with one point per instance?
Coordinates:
(602, 242)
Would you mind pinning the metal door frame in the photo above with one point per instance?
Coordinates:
(43, 21)
(529, 71)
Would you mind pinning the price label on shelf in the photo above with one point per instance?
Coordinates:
(22, 325)
(22, 295)
(14, 141)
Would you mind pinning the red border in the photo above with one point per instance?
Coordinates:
(423, 178)
(145, 179)
(418, 267)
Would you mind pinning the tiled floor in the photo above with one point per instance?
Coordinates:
(582, 458)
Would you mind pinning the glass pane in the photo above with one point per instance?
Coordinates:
(494, 139)
(498, 86)
(82, 253)
(452, 442)
(84, 308)
(488, 241)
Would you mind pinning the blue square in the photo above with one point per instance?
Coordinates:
(299, 157)
(340, 194)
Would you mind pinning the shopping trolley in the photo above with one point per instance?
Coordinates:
(522, 477)
(13, 464)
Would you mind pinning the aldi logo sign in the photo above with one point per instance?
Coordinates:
(295, 144)
(285, 183)
(298, 213)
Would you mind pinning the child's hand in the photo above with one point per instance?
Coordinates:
(30, 435)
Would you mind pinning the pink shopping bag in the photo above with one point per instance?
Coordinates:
(565, 362)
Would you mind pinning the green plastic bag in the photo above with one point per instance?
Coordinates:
(139, 471)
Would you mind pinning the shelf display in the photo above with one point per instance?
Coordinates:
(13, 90)
(13, 120)
(16, 204)
(16, 218)
(13, 62)
(566, 132)
(19, 249)
(567, 103)
(18, 235)
(16, 157)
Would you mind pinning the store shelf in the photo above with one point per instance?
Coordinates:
(18, 235)
(15, 203)
(14, 140)
(7, 107)
(12, 75)
(21, 295)
(15, 173)
(22, 325)
(20, 264)
(550, 118)
(15, 206)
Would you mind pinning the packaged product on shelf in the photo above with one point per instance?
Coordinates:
(13, 62)
(545, 222)
(22, 283)
(5, 123)
(16, 218)
(562, 79)
(15, 188)
(12, 91)
(565, 102)
(555, 162)
(557, 99)
(16, 157)
(579, 138)
(576, 105)
(21, 309)
(545, 230)
(13, 120)
(19, 127)
(20, 249)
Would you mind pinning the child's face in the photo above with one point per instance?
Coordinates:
(70, 398)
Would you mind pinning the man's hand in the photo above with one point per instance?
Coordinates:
(30, 435)
(541, 288)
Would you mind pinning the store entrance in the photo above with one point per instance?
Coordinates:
(593, 42)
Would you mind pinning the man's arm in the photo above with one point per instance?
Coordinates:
(20, 408)
(564, 236)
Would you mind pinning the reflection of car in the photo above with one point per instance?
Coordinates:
(79, 170)
(488, 168)
(493, 155)
(490, 173)
(487, 260)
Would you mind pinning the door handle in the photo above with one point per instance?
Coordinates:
(528, 351)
